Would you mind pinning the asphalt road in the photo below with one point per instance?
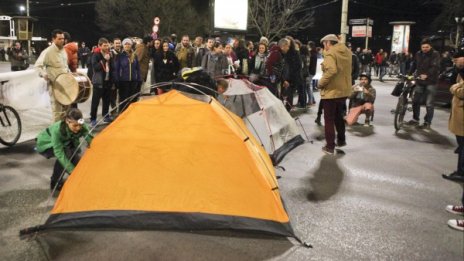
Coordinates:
(383, 199)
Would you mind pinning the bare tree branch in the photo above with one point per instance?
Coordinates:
(135, 17)
(275, 18)
(449, 10)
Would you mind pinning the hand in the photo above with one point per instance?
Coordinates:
(107, 56)
(423, 76)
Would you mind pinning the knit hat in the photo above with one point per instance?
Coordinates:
(264, 40)
(126, 40)
(330, 37)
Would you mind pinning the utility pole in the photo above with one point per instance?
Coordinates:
(343, 27)
(367, 32)
(29, 21)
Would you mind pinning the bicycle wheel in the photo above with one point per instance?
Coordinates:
(10, 126)
(400, 112)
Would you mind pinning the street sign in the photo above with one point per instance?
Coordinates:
(360, 31)
(362, 21)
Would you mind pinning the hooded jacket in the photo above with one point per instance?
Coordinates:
(336, 78)
(127, 68)
(54, 137)
(275, 62)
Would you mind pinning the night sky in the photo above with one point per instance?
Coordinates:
(78, 18)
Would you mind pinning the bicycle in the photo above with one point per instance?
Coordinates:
(404, 90)
(10, 124)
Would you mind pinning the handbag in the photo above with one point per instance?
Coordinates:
(398, 89)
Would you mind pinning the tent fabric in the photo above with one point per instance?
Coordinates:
(265, 116)
(173, 162)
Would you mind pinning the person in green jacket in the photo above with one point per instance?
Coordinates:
(61, 140)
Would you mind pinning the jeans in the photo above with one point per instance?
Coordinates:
(333, 118)
(103, 93)
(422, 92)
(126, 90)
(315, 83)
(83, 61)
(114, 97)
(58, 169)
(302, 95)
(287, 95)
(366, 68)
(382, 72)
(403, 68)
(309, 89)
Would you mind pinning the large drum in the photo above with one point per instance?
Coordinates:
(71, 88)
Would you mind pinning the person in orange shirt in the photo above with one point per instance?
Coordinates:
(71, 51)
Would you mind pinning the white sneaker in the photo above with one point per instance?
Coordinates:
(457, 224)
(458, 210)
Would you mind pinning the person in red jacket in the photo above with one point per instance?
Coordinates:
(275, 66)
(380, 64)
(71, 51)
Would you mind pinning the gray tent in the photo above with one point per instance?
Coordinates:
(265, 116)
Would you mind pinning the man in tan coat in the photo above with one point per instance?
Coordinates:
(456, 120)
(52, 62)
(456, 126)
(335, 86)
(142, 50)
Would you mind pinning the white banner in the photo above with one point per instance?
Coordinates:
(27, 93)
(24, 90)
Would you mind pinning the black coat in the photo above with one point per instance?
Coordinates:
(293, 68)
(166, 66)
(98, 66)
(429, 64)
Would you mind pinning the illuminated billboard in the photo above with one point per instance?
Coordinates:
(231, 15)
(400, 37)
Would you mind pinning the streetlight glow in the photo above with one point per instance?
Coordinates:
(22, 8)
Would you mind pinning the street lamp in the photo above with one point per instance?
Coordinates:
(459, 22)
(22, 9)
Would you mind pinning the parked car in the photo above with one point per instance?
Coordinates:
(445, 80)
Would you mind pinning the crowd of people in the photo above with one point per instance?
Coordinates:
(119, 68)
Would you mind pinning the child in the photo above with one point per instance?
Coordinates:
(61, 140)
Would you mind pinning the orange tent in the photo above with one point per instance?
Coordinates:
(173, 162)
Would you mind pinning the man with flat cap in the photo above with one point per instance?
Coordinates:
(335, 86)
(456, 126)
